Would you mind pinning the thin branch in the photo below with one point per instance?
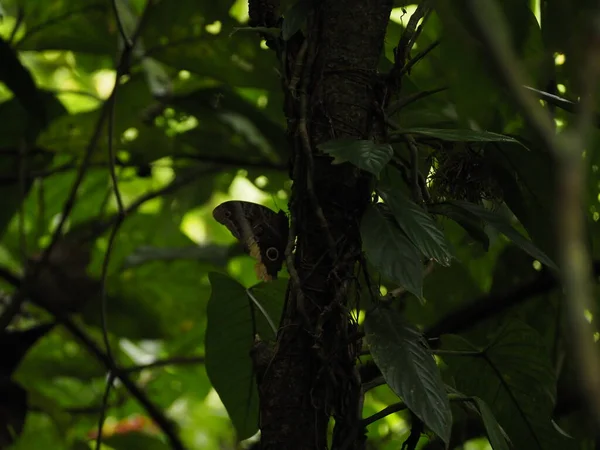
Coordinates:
(18, 23)
(173, 361)
(401, 103)
(153, 411)
(122, 67)
(128, 43)
(396, 407)
(418, 57)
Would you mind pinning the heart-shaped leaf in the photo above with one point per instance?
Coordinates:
(514, 376)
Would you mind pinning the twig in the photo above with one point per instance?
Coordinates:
(396, 407)
(401, 103)
(407, 40)
(18, 23)
(174, 361)
(20, 296)
(121, 68)
(155, 414)
(109, 382)
(128, 43)
(418, 57)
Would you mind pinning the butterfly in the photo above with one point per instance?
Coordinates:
(262, 231)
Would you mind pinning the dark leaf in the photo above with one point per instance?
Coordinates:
(461, 135)
(229, 338)
(18, 79)
(492, 427)
(513, 375)
(364, 154)
(503, 226)
(470, 222)
(390, 251)
(419, 226)
(401, 353)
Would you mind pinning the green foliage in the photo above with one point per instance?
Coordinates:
(390, 251)
(409, 369)
(513, 374)
(233, 323)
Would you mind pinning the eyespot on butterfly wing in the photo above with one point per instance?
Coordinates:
(262, 231)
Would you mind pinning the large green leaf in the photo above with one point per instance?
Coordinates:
(503, 226)
(513, 375)
(419, 226)
(390, 251)
(401, 353)
(364, 154)
(228, 342)
(232, 322)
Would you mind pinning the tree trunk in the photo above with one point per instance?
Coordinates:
(332, 91)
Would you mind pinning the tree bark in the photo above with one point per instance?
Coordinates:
(333, 91)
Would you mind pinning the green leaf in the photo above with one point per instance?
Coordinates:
(419, 226)
(229, 338)
(470, 222)
(402, 355)
(514, 376)
(390, 251)
(457, 135)
(492, 427)
(228, 342)
(501, 224)
(364, 154)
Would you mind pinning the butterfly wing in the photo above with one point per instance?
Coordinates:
(262, 231)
